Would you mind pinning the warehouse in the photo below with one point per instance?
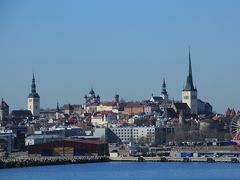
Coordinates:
(70, 148)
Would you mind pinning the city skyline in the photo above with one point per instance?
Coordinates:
(125, 48)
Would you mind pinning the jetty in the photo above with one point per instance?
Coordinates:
(45, 161)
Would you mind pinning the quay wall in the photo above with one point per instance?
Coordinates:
(177, 159)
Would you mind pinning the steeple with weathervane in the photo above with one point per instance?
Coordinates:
(34, 100)
(189, 92)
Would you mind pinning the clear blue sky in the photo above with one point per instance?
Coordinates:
(124, 47)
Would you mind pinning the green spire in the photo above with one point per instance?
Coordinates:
(189, 85)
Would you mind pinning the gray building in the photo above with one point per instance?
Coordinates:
(141, 135)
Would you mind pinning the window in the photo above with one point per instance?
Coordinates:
(186, 97)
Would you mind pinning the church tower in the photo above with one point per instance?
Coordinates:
(189, 93)
(164, 93)
(34, 100)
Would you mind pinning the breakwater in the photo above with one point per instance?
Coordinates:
(45, 161)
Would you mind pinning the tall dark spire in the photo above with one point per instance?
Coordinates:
(33, 84)
(33, 93)
(164, 87)
(58, 109)
(164, 93)
(189, 84)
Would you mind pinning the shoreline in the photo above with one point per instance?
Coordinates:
(49, 161)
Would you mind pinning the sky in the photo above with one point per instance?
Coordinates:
(125, 47)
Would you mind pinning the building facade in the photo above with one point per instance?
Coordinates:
(140, 135)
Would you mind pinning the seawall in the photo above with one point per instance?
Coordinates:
(46, 161)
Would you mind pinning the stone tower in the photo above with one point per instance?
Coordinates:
(189, 93)
(34, 100)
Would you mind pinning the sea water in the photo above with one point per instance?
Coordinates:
(125, 171)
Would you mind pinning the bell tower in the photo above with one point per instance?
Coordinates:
(34, 100)
(189, 93)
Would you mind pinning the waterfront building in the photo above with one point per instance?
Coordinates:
(4, 111)
(71, 147)
(189, 93)
(7, 140)
(142, 135)
(41, 138)
(34, 100)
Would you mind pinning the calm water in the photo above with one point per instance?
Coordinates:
(125, 171)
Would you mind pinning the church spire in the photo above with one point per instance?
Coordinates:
(164, 87)
(33, 84)
(189, 84)
(33, 93)
(164, 93)
(58, 109)
(190, 64)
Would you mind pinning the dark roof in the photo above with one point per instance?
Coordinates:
(169, 112)
(157, 98)
(181, 106)
(21, 113)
